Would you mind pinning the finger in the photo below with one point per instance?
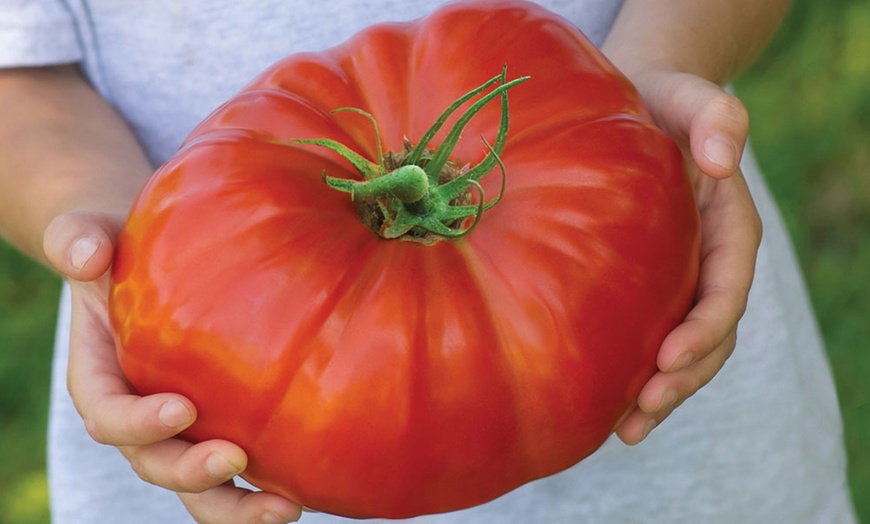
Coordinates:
(129, 420)
(667, 391)
(79, 244)
(731, 234)
(180, 466)
(635, 427)
(227, 504)
(690, 109)
(718, 133)
(709, 324)
(111, 412)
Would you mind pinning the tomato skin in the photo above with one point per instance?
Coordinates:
(367, 377)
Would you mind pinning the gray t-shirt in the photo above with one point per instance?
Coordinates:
(761, 443)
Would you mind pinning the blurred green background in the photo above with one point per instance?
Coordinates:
(809, 97)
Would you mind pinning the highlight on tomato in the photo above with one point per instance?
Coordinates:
(413, 272)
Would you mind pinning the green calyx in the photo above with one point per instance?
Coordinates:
(418, 194)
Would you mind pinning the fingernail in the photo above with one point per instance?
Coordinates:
(683, 361)
(669, 398)
(174, 414)
(219, 467)
(721, 152)
(82, 250)
(648, 427)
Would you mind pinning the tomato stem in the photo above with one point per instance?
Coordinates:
(421, 195)
(407, 183)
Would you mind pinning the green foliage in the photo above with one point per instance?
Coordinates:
(28, 304)
(808, 97)
(27, 500)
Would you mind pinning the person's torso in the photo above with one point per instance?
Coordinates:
(166, 64)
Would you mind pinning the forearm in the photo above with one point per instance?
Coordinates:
(713, 39)
(62, 147)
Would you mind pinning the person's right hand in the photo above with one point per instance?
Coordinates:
(697, 113)
(80, 245)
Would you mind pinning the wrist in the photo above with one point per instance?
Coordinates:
(713, 40)
(63, 148)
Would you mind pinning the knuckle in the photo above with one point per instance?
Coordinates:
(731, 342)
(697, 382)
(758, 228)
(692, 383)
(139, 466)
(96, 430)
(739, 297)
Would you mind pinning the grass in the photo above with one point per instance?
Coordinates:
(809, 96)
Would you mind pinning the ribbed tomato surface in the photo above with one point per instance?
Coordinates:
(372, 377)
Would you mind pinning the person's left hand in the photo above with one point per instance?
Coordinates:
(711, 128)
(80, 245)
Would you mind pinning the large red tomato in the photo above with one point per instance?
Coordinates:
(374, 377)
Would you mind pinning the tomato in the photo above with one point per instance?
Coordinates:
(367, 376)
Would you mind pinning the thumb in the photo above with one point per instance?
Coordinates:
(713, 122)
(80, 244)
